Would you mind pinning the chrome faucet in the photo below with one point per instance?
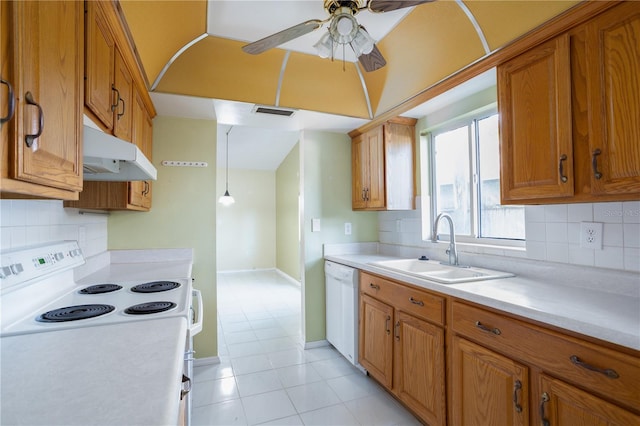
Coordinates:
(452, 252)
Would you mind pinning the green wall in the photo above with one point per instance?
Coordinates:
(183, 211)
(287, 214)
(246, 230)
(326, 170)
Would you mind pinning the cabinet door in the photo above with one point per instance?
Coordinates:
(613, 66)
(47, 68)
(359, 173)
(375, 187)
(562, 404)
(399, 167)
(124, 85)
(419, 367)
(534, 98)
(376, 341)
(138, 189)
(6, 87)
(99, 95)
(487, 388)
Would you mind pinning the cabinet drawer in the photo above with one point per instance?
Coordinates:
(419, 303)
(377, 287)
(611, 374)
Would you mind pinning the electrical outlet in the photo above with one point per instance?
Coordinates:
(347, 228)
(591, 235)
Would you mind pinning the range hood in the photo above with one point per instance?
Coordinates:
(107, 158)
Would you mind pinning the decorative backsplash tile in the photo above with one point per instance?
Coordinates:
(552, 234)
(31, 222)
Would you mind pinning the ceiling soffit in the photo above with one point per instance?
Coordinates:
(503, 21)
(161, 28)
(431, 43)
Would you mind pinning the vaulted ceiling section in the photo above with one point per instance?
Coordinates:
(432, 42)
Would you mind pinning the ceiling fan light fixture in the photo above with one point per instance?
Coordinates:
(343, 27)
(363, 43)
(324, 46)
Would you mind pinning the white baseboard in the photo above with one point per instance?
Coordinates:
(211, 360)
(288, 277)
(316, 344)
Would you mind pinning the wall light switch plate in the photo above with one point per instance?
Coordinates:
(347, 228)
(591, 235)
(315, 225)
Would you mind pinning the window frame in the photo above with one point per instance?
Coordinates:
(427, 138)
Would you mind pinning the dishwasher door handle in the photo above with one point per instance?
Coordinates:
(196, 327)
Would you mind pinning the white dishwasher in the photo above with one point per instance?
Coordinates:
(341, 284)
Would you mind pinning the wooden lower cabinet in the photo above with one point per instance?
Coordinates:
(402, 351)
(563, 404)
(487, 388)
(419, 376)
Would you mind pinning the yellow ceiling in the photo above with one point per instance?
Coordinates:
(431, 43)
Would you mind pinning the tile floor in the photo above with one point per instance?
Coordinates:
(265, 377)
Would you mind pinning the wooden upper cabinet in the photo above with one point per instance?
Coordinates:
(123, 110)
(383, 176)
(570, 114)
(100, 91)
(42, 45)
(534, 95)
(613, 70)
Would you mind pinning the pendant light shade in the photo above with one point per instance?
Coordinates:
(226, 199)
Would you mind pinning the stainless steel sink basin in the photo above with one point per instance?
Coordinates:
(436, 271)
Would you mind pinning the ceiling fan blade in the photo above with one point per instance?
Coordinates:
(372, 61)
(282, 37)
(389, 5)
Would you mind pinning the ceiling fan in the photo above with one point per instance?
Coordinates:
(343, 29)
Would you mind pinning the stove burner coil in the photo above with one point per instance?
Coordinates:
(100, 288)
(76, 312)
(155, 287)
(149, 308)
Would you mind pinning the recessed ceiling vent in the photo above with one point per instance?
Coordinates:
(283, 112)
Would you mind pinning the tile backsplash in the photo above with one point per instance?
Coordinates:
(552, 234)
(30, 222)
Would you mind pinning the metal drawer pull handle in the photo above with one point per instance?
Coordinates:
(386, 324)
(374, 286)
(12, 102)
(610, 373)
(364, 194)
(416, 302)
(28, 139)
(516, 387)
(544, 400)
(563, 178)
(397, 331)
(483, 327)
(594, 163)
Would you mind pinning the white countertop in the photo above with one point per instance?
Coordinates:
(603, 315)
(105, 375)
(116, 374)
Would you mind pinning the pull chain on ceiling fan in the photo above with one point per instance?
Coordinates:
(343, 30)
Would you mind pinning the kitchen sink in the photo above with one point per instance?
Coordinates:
(442, 273)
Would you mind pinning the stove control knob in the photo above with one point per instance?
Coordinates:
(16, 268)
(58, 256)
(5, 271)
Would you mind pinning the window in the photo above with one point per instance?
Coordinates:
(465, 181)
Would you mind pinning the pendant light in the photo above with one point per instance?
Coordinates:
(227, 199)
